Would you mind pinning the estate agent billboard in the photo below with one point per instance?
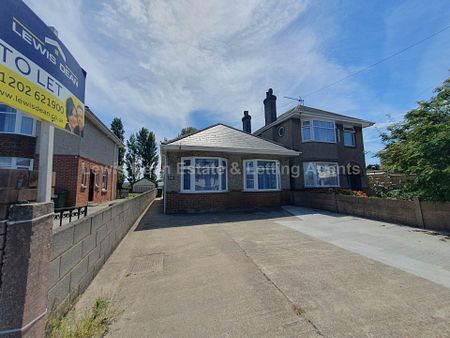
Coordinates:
(38, 75)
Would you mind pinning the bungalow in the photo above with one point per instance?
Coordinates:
(221, 167)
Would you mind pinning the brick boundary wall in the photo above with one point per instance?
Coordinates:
(198, 202)
(81, 248)
(16, 185)
(421, 214)
(26, 254)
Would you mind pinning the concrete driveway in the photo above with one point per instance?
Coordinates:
(266, 274)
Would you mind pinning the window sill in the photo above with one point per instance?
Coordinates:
(203, 192)
(349, 146)
(321, 186)
(83, 187)
(262, 190)
(14, 133)
(314, 141)
(104, 191)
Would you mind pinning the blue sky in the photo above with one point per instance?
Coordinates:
(169, 64)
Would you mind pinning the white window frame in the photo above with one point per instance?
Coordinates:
(83, 176)
(191, 189)
(316, 185)
(105, 180)
(14, 161)
(311, 130)
(18, 123)
(255, 175)
(352, 131)
(97, 179)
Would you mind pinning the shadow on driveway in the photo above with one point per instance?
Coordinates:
(155, 218)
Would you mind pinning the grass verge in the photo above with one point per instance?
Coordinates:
(95, 322)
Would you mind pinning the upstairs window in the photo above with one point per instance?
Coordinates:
(203, 174)
(319, 131)
(349, 137)
(261, 175)
(15, 122)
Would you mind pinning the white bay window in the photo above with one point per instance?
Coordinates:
(320, 174)
(319, 131)
(261, 175)
(203, 174)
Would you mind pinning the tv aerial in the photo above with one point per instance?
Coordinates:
(298, 99)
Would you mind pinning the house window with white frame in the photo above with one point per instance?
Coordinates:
(83, 176)
(349, 137)
(262, 175)
(21, 163)
(105, 180)
(204, 174)
(319, 131)
(15, 122)
(321, 174)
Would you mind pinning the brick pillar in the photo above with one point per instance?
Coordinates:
(27, 237)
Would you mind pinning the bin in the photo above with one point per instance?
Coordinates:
(61, 200)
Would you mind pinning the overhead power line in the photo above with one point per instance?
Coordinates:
(378, 62)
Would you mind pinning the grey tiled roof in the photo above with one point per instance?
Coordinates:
(220, 137)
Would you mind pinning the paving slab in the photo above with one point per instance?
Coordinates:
(247, 274)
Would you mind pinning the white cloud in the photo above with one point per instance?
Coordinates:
(154, 62)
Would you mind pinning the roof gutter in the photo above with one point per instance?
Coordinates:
(283, 152)
(297, 114)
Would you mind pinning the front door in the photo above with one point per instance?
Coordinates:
(355, 182)
(91, 185)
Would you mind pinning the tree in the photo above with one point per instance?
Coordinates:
(419, 147)
(132, 161)
(147, 151)
(186, 131)
(117, 129)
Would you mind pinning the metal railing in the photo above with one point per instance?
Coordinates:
(62, 213)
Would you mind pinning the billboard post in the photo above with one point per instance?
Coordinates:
(46, 138)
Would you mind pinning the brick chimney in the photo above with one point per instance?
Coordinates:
(270, 107)
(247, 122)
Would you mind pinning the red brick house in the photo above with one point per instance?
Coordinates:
(84, 166)
(87, 166)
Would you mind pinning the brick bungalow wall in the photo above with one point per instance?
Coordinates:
(68, 170)
(234, 198)
(190, 203)
(99, 195)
